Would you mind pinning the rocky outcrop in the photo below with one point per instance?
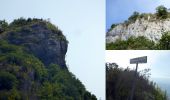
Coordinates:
(32, 63)
(48, 45)
(151, 29)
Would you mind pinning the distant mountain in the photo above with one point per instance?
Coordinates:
(32, 63)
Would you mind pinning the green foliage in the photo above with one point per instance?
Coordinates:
(88, 96)
(12, 94)
(19, 22)
(5, 47)
(55, 83)
(27, 25)
(51, 26)
(56, 30)
(113, 26)
(7, 81)
(161, 12)
(139, 43)
(134, 16)
(50, 91)
(63, 85)
(14, 55)
(119, 44)
(164, 42)
(119, 84)
(3, 26)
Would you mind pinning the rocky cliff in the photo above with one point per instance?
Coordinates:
(150, 28)
(41, 39)
(32, 63)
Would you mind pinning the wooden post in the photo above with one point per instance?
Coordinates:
(134, 83)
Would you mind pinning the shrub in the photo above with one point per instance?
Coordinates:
(113, 26)
(7, 81)
(164, 42)
(19, 22)
(3, 26)
(134, 16)
(141, 43)
(161, 12)
(119, 84)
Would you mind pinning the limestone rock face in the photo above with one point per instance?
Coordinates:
(48, 45)
(151, 29)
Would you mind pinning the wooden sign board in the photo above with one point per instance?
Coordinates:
(138, 60)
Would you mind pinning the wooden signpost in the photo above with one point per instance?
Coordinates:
(136, 61)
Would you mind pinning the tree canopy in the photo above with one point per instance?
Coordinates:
(161, 12)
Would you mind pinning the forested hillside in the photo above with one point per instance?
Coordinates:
(119, 84)
(32, 63)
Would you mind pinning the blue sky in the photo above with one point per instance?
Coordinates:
(118, 11)
(83, 23)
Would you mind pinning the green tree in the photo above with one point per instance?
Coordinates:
(134, 16)
(3, 26)
(47, 91)
(113, 26)
(164, 42)
(140, 43)
(119, 84)
(7, 81)
(161, 12)
(18, 22)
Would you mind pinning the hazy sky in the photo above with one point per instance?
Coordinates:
(83, 23)
(119, 10)
(158, 61)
